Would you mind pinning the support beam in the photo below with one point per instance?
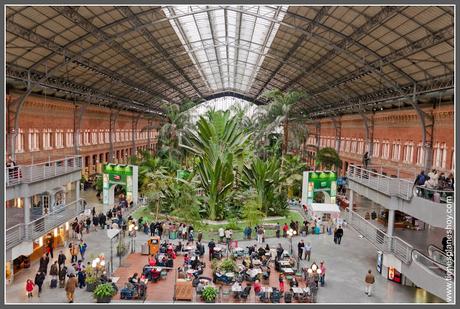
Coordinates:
(350, 207)
(14, 110)
(113, 122)
(318, 134)
(427, 125)
(77, 119)
(338, 132)
(369, 127)
(134, 123)
(149, 142)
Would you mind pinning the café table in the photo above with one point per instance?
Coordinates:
(288, 271)
(285, 263)
(297, 290)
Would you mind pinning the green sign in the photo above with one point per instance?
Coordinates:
(319, 187)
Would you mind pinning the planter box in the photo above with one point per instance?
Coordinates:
(106, 299)
(90, 287)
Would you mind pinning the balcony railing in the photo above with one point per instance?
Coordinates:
(402, 188)
(45, 170)
(437, 196)
(39, 227)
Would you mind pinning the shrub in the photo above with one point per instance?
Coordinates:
(209, 293)
(104, 290)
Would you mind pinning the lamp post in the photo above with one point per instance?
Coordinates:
(132, 234)
(290, 234)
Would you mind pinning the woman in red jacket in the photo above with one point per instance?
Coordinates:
(29, 288)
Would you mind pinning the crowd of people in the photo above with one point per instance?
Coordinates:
(435, 180)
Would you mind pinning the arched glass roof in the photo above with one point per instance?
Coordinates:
(139, 57)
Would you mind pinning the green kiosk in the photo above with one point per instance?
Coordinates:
(119, 174)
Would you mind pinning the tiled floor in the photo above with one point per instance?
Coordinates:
(346, 265)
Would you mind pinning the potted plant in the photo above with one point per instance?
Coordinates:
(209, 294)
(91, 282)
(104, 293)
(227, 266)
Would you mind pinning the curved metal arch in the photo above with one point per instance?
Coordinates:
(234, 94)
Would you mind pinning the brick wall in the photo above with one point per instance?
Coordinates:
(54, 114)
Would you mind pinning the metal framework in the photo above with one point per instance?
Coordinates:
(345, 57)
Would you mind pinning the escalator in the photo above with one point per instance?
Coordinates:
(429, 274)
(438, 255)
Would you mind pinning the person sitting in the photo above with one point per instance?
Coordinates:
(294, 282)
(152, 261)
(178, 247)
(267, 248)
(155, 274)
(186, 260)
(181, 273)
(134, 279)
(257, 287)
(169, 262)
(261, 252)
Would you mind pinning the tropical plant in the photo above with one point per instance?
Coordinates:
(104, 290)
(218, 143)
(252, 212)
(292, 171)
(209, 293)
(228, 265)
(278, 112)
(263, 176)
(328, 157)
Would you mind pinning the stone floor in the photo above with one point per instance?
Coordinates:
(346, 266)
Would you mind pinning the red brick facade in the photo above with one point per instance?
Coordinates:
(59, 118)
(392, 128)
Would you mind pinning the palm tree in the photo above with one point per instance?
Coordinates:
(219, 142)
(328, 157)
(278, 111)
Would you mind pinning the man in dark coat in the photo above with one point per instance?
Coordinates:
(39, 279)
(339, 234)
(211, 246)
(44, 260)
(152, 229)
(61, 259)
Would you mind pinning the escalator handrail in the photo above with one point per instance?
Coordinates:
(440, 266)
(436, 247)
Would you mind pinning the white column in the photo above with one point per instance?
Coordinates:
(77, 190)
(27, 209)
(350, 207)
(391, 222)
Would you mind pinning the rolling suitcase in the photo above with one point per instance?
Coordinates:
(53, 283)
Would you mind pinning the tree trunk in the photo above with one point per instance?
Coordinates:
(286, 136)
(158, 210)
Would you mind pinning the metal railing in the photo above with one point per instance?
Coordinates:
(436, 254)
(437, 196)
(36, 172)
(395, 245)
(402, 188)
(37, 228)
(431, 265)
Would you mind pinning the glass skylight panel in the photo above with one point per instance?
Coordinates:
(225, 58)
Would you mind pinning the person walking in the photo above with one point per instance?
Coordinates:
(278, 230)
(30, 288)
(39, 279)
(88, 224)
(211, 246)
(285, 229)
(339, 234)
(300, 249)
(54, 271)
(95, 222)
(307, 250)
(260, 233)
(73, 252)
(369, 280)
(44, 260)
(61, 259)
(50, 248)
(82, 248)
(228, 236)
(199, 236)
(81, 278)
(322, 276)
(62, 276)
(70, 287)
(221, 234)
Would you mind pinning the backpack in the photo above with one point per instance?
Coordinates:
(421, 180)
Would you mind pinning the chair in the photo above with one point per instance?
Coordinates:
(245, 293)
(275, 296)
